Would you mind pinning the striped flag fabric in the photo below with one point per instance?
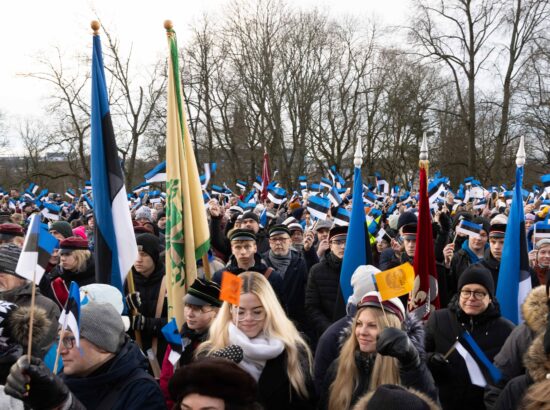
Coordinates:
(51, 211)
(334, 196)
(545, 179)
(187, 233)
(157, 174)
(514, 279)
(115, 243)
(241, 184)
(70, 315)
(480, 368)
(342, 217)
(70, 193)
(318, 207)
(541, 230)
(302, 180)
(325, 183)
(469, 228)
(37, 249)
(276, 195)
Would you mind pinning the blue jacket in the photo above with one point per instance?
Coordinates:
(142, 392)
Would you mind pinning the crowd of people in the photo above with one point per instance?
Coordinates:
(292, 341)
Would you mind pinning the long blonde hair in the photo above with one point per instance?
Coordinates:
(81, 256)
(277, 325)
(384, 371)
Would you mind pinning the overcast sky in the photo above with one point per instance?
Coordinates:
(35, 27)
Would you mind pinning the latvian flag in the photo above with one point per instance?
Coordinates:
(37, 249)
(334, 196)
(545, 179)
(318, 207)
(480, 368)
(342, 217)
(115, 243)
(70, 316)
(276, 195)
(468, 228)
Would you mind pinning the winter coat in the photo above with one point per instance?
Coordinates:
(488, 329)
(260, 266)
(127, 375)
(417, 377)
(294, 289)
(310, 257)
(82, 278)
(275, 390)
(510, 358)
(492, 264)
(324, 303)
(149, 288)
(388, 259)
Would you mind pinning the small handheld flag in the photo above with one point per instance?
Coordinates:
(395, 282)
(230, 290)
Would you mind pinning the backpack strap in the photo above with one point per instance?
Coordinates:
(268, 272)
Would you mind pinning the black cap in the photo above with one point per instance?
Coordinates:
(203, 292)
(497, 231)
(409, 231)
(278, 230)
(336, 231)
(251, 215)
(242, 235)
(479, 275)
(407, 218)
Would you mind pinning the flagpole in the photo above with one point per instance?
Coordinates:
(58, 353)
(206, 267)
(31, 319)
(134, 312)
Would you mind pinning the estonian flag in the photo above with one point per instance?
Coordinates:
(70, 193)
(51, 211)
(70, 316)
(277, 195)
(302, 179)
(514, 279)
(325, 182)
(241, 184)
(318, 207)
(342, 217)
(115, 243)
(157, 174)
(334, 196)
(37, 249)
(545, 179)
(469, 228)
(541, 230)
(479, 366)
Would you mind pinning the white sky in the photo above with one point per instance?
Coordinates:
(35, 27)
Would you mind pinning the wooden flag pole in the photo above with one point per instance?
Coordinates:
(58, 352)
(206, 267)
(134, 312)
(31, 319)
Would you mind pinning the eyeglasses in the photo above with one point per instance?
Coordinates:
(198, 309)
(255, 315)
(467, 294)
(68, 342)
(338, 242)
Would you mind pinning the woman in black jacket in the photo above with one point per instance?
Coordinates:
(476, 311)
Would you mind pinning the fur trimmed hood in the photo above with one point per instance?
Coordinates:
(535, 309)
(536, 361)
(364, 401)
(18, 324)
(412, 325)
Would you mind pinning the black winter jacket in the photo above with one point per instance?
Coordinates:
(324, 303)
(82, 278)
(488, 329)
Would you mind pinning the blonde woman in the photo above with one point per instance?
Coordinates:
(270, 348)
(75, 264)
(377, 352)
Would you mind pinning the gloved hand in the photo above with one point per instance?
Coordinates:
(133, 301)
(231, 352)
(438, 365)
(138, 322)
(445, 221)
(395, 342)
(35, 385)
(149, 325)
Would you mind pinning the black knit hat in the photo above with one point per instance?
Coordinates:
(480, 275)
(214, 377)
(203, 292)
(407, 218)
(251, 215)
(149, 244)
(9, 255)
(391, 396)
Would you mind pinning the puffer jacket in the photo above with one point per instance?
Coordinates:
(489, 329)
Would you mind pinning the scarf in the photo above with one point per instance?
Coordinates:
(256, 351)
(280, 263)
(473, 257)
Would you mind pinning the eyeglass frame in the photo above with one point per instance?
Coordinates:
(338, 242)
(467, 294)
(68, 342)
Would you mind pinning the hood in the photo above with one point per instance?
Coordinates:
(431, 405)
(535, 309)
(536, 361)
(43, 333)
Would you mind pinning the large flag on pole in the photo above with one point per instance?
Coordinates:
(187, 234)
(514, 280)
(425, 296)
(115, 242)
(357, 251)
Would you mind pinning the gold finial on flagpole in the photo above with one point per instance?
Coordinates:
(95, 26)
(424, 161)
(168, 25)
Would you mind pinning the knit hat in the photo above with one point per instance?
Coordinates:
(149, 244)
(101, 325)
(63, 227)
(278, 230)
(73, 243)
(80, 231)
(407, 218)
(8, 231)
(144, 212)
(337, 231)
(214, 377)
(479, 275)
(9, 255)
(203, 292)
(362, 282)
(391, 396)
(242, 235)
(251, 215)
(393, 305)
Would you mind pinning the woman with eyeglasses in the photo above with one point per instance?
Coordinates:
(258, 336)
(474, 310)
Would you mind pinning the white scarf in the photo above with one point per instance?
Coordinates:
(256, 351)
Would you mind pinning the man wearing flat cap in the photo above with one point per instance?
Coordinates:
(245, 257)
(402, 249)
